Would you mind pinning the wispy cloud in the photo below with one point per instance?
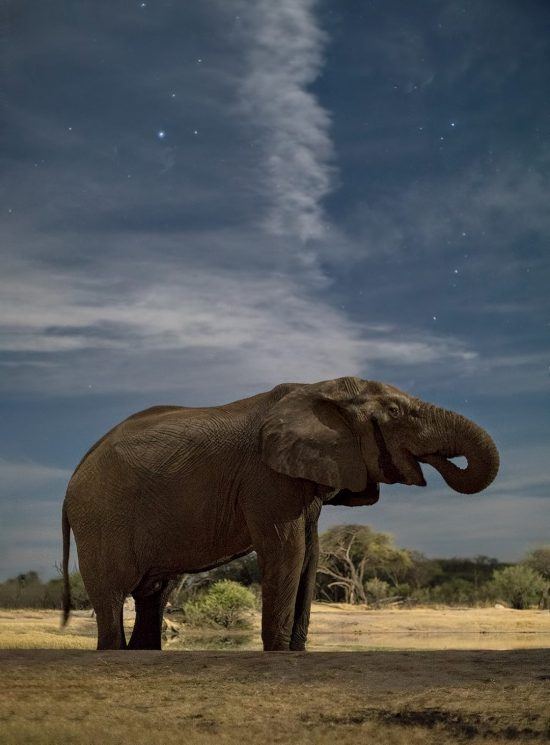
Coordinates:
(24, 475)
(31, 536)
(261, 329)
(31, 494)
(284, 58)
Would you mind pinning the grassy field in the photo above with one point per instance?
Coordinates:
(431, 676)
(334, 627)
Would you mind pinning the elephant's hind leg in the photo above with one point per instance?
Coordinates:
(109, 617)
(147, 633)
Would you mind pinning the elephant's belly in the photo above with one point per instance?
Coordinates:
(194, 538)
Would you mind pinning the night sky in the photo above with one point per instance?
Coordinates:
(202, 200)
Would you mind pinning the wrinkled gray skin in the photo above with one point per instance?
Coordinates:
(174, 489)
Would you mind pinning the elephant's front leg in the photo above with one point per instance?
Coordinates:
(306, 588)
(281, 550)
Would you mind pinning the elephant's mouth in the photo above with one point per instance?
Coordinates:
(369, 495)
(394, 475)
(385, 461)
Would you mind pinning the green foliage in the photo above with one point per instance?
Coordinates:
(478, 570)
(28, 591)
(423, 571)
(245, 571)
(456, 591)
(377, 590)
(360, 566)
(224, 604)
(519, 586)
(539, 560)
(351, 556)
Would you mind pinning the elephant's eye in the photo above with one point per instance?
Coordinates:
(394, 409)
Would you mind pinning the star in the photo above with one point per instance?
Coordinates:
(453, 124)
(161, 134)
(435, 318)
(143, 5)
(172, 95)
(195, 131)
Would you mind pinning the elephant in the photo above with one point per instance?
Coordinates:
(174, 489)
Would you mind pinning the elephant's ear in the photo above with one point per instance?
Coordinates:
(306, 435)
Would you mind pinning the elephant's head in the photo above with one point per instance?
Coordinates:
(351, 434)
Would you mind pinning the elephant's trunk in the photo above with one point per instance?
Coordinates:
(458, 436)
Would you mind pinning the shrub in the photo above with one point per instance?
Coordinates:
(377, 590)
(455, 591)
(224, 604)
(518, 585)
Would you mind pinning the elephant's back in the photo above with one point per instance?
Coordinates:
(146, 413)
(164, 441)
(160, 437)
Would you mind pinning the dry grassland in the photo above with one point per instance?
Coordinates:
(393, 697)
(334, 627)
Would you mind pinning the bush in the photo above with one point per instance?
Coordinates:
(519, 586)
(377, 590)
(455, 591)
(224, 604)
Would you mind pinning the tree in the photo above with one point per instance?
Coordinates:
(539, 560)
(423, 571)
(351, 555)
(518, 585)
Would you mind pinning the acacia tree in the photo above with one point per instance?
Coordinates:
(539, 560)
(351, 556)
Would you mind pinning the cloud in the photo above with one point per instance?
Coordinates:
(31, 495)
(83, 331)
(284, 57)
(22, 476)
(32, 536)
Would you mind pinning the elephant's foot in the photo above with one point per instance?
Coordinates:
(297, 645)
(276, 643)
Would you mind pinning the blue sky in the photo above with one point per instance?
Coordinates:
(202, 200)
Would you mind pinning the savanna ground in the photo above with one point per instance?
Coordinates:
(389, 676)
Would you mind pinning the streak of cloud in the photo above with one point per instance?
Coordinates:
(284, 58)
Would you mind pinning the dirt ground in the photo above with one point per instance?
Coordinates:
(397, 693)
(80, 696)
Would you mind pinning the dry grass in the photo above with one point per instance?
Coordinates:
(334, 627)
(341, 627)
(73, 696)
(453, 691)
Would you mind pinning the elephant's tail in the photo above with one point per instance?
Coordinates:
(66, 528)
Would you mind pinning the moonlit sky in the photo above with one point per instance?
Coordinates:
(202, 200)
